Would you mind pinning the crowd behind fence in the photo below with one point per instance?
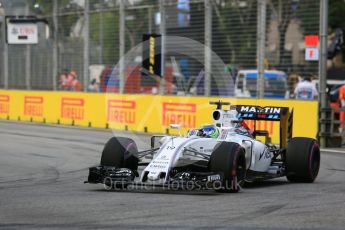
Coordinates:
(86, 40)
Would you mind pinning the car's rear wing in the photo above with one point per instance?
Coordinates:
(269, 113)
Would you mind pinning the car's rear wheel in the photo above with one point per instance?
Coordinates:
(228, 159)
(302, 160)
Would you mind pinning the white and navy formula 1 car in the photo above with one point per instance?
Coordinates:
(221, 156)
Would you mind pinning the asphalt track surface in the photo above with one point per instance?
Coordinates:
(42, 169)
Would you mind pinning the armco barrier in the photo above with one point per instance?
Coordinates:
(140, 113)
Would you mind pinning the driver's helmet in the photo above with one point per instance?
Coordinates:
(210, 131)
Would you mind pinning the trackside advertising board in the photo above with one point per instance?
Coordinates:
(142, 113)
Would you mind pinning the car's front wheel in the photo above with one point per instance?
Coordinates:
(120, 152)
(228, 159)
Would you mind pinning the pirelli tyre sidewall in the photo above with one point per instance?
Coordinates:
(302, 160)
(120, 152)
(228, 159)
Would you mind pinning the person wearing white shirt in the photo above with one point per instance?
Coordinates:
(306, 90)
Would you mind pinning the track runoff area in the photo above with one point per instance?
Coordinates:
(43, 167)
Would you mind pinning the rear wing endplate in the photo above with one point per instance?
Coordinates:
(269, 113)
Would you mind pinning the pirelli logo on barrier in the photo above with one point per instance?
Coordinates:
(4, 104)
(33, 106)
(72, 108)
(179, 113)
(121, 111)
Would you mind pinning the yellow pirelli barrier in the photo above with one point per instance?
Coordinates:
(141, 113)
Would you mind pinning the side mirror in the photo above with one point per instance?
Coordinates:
(176, 126)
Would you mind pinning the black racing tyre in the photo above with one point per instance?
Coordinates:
(120, 152)
(228, 159)
(302, 160)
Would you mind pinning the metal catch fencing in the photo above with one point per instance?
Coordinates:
(210, 47)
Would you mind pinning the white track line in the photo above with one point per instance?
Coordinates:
(333, 150)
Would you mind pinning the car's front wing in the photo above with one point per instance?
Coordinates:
(113, 177)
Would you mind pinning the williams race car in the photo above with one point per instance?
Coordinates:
(221, 156)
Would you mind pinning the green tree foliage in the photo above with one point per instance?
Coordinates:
(136, 26)
(336, 14)
(230, 15)
(335, 17)
(44, 8)
(283, 11)
(336, 11)
(309, 18)
(105, 26)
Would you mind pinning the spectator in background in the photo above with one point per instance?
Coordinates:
(293, 80)
(74, 82)
(342, 105)
(71, 76)
(306, 90)
(63, 81)
(93, 86)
